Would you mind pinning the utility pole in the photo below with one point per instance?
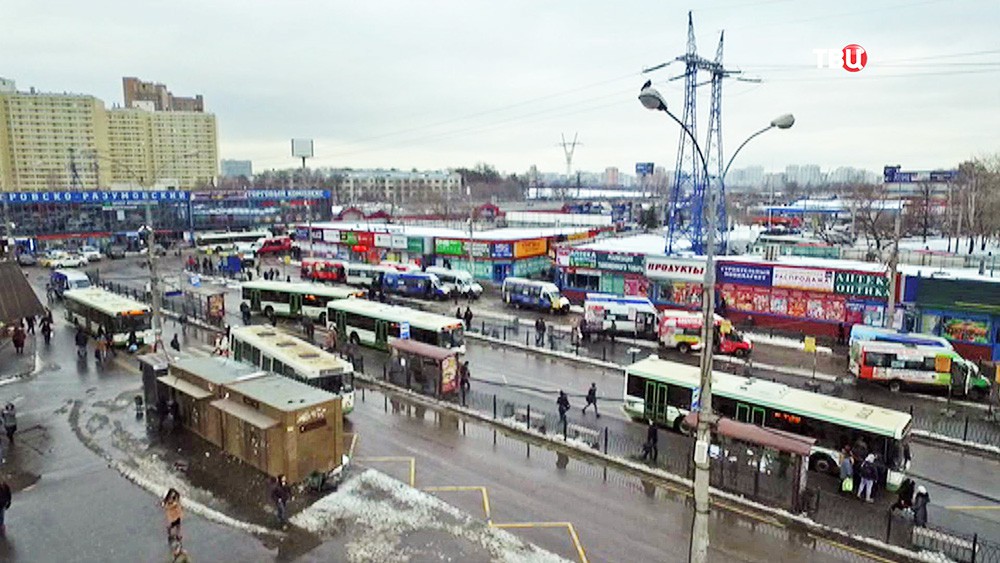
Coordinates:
(154, 281)
(890, 312)
(472, 216)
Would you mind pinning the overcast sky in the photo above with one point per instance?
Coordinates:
(436, 84)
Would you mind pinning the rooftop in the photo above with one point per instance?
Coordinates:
(215, 370)
(503, 234)
(280, 392)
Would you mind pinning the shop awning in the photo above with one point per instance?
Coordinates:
(184, 386)
(17, 299)
(245, 413)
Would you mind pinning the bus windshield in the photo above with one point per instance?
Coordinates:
(452, 338)
(136, 322)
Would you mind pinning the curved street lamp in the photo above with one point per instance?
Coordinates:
(651, 99)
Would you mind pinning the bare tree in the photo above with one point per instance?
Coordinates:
(873, 216)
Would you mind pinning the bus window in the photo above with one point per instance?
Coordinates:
(679, 397)
(636, 386)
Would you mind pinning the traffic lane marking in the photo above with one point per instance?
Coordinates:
(395, 459)
(852, 549)
(985, 507)
(482, 490)
(568, 525)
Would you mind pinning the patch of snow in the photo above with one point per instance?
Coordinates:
(783, 342)
(387, 511)
(986, 448)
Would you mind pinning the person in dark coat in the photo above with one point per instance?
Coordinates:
(592, 399)
(468, 318)
(281, 493)
(563, 403)
(30, 321)
(904, 496)
(539, 332)
(18, 339)
(47, 332)
(650, 447)
(5, 498)
(9, 416)
(175, 343)
(920, 502)
(81, 342)
(464, 378)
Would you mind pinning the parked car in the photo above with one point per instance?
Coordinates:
(115, 252)
(47, 259)
(26, 259)
(69, 261)
(91, 253)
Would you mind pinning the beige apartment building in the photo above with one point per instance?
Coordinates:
(51, 142)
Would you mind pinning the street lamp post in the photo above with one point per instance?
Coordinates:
(651, 99)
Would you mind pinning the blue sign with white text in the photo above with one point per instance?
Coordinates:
(95, 196)
(744, 274)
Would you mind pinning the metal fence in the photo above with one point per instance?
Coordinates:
(183, 306)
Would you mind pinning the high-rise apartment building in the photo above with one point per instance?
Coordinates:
(71, 141)
(138, 93)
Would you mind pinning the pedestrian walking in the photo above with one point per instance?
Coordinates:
(172, 509)
(48, 316)
(592, 399)
(846, 471)
(175, 343)
(280, 495)
(920, 502)
(47, 333)
(245, 312)
(465, 379)
(30, 321)
(100, 350)
(331, 340)
(650, 447)
(9, 416)
(109, 340)
(81, 343)
(563, 403)
(177, 553)
(904, 495)
(458, 314)
(539, 332)
(5, 498)
(133, 341)
(18, 339)
(468, 318)
(868, 473)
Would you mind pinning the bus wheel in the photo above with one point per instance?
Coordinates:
(895, 385)
(821, 463)
(269, 312)
(678, 426)
(355, 339)
(684, 347)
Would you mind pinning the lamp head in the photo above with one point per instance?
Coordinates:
(783, 121)
(651, 99)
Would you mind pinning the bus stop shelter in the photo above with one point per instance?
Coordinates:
(424, 368)
(765, 464)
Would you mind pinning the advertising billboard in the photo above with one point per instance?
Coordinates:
(864, 285)
(674, 268)
(399, 242)
(503, 250)
(744, 274)
(614, 262)
(449, 247)
(302, 148)
(530, 247)
(383, 240)
(802, 278)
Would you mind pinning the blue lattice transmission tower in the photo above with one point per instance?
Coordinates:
(685, 212)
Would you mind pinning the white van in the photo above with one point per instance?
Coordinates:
(458, 281)
(63, 280)
(608, 314)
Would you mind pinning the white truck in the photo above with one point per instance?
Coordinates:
(614, 315)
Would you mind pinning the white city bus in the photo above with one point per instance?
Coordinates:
(220, 241)
(662, 391)
(291, 299)
(364, 274)
(376, 324)
(93, 307)
(273, 349)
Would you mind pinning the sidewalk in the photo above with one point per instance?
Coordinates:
(15, 366)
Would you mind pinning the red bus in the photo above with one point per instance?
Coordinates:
(276, 245)
(320, 270)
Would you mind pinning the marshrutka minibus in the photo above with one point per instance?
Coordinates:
(662, 391)
(376, 324)
(273, 349)
(901, 365)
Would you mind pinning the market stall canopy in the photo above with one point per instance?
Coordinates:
(422, 349)
(768, 437)
(17, 298)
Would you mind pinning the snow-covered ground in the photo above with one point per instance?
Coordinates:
(382, 519)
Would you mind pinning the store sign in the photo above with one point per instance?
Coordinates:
(530, 247)
(415, 245)
(802, 278)
(745, 274)
(583, 259)
(479, 249)
(317, 234)
(864, 285)
(503, 250)
(613, 262)
(348, 237)
(383, 240)
(674, 269)
(366, 239)
(288, 194)
(449, 247)
(398, 241)
(95, 196)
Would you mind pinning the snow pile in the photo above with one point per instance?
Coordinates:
(783, 342)
(380, 517)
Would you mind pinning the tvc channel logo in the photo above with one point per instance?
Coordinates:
(851, 58)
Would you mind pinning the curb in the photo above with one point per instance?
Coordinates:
(627, 466)
(985, 450)
(545, 351)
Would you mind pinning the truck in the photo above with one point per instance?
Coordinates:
(421, 285)
(606, 314)
(682, 330)
(533, 294)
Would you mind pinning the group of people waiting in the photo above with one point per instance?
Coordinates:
(860, 474)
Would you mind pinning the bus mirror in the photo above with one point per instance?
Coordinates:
(942, 363)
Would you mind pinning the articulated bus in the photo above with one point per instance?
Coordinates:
(662, 391)
(93, 307)
(220, 241)
(290, 299)
(272, 349)
(898, 365)
(376, 324)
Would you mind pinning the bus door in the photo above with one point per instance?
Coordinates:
(382, 334)
(656, 401)
(750, 414)
(959, 378)
(255, 300)
(340, 320)
(294, 304)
